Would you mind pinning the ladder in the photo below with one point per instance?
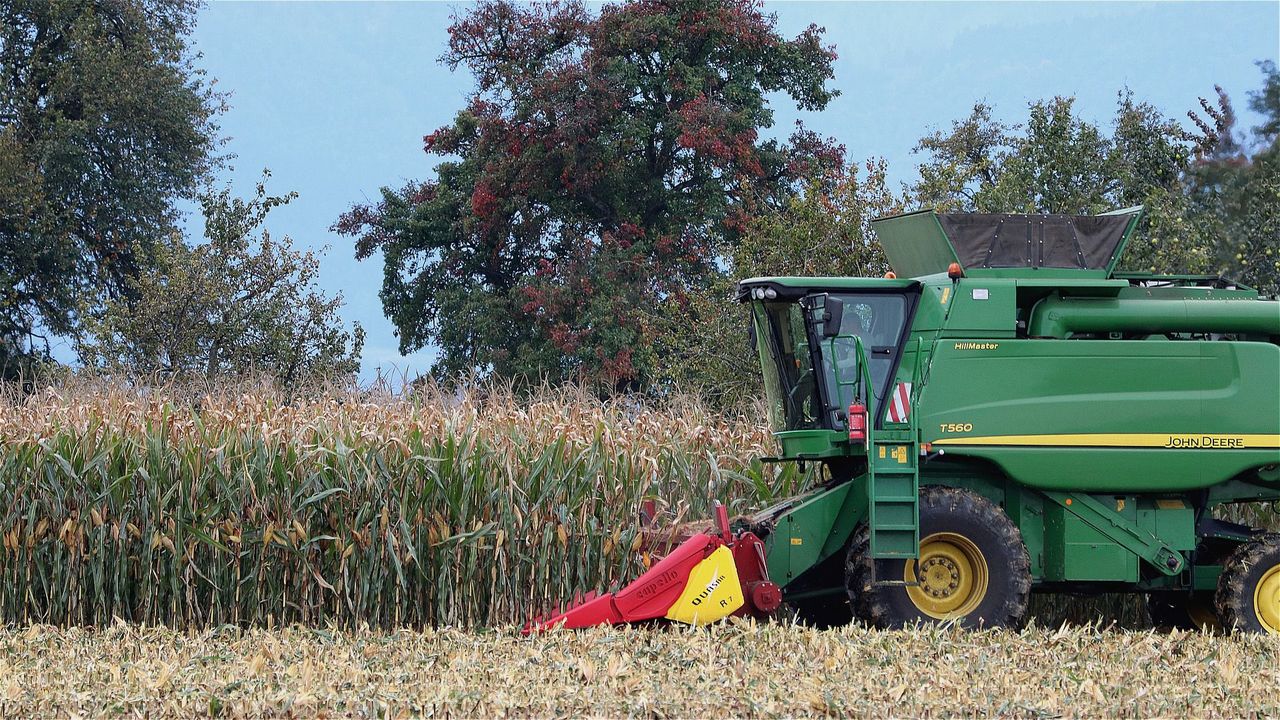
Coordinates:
(893, 465)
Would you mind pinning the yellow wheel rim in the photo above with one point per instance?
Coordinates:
(949, 580)
(1266, 600)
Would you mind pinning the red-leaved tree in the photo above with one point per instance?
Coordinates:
(603, 166)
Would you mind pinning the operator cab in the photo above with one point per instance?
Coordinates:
(808, 333)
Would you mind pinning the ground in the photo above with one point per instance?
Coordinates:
(736, 669)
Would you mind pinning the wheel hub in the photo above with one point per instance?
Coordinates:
(939, 576)
(950, 579)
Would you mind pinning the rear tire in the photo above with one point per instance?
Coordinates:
(1248, 598)
(973, 568)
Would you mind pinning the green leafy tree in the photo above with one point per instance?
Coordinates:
(1266, 102)
(1236, 194)
(605, 164)
(825, 230)
(243, 302)
(1059, 163)
(104, 123)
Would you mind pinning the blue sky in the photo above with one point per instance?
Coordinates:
(334, 98)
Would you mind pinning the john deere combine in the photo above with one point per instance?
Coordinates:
(1007, 415)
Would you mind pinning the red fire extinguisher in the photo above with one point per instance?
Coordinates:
(857, 422)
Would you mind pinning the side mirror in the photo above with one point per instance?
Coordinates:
(833, 317)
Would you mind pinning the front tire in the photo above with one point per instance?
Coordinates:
(1248, 596)
(972, 569)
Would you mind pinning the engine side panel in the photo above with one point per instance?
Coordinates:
(1106, 415)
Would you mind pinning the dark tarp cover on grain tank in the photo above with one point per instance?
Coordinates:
(1050, 241)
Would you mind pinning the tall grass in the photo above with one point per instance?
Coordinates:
(235, 506)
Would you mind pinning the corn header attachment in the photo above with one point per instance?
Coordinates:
(707, 577)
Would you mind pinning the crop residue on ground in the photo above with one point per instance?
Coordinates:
(738, 669)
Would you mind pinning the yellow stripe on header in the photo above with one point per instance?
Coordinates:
(1180, 441)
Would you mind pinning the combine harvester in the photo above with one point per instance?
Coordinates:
(1015, 417)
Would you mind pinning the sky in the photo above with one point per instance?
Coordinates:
(335, 98)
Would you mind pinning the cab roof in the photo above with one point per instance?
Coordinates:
(790, 288)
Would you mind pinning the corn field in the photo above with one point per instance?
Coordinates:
(421, 509)
(474, 508)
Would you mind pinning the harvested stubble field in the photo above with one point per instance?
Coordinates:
(734, 670)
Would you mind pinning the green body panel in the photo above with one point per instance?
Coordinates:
(915, 244)
(1077, 551)
(812, 529)
(1090, 524)
(1101, 415)
(1060, 317)
(812, 444)
(834, 283)
(1145, 400)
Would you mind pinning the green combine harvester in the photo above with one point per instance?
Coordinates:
(1007, 415)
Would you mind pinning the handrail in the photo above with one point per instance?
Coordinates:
(863, 383)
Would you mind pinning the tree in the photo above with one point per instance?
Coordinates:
(243, 302)
(1238, 194)
(1060, 163)
(1257, 210)
(825, 230)
(104, 122)
(602, 167)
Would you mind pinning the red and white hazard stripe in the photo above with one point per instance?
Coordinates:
(900, 403)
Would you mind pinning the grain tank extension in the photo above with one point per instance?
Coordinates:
(1007, 415)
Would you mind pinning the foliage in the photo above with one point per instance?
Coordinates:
(1237, 195)
(602, 165)
(237, 504)
(824, 230)
(104, 122)
(1060, 163)
(243, 302)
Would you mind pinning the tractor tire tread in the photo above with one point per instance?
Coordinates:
(874, 607)
(858, 577)
(1234, 599)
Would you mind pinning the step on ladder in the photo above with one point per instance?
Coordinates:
(893, 495)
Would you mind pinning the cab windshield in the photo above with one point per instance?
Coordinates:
(800, 398)
(877, 320)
